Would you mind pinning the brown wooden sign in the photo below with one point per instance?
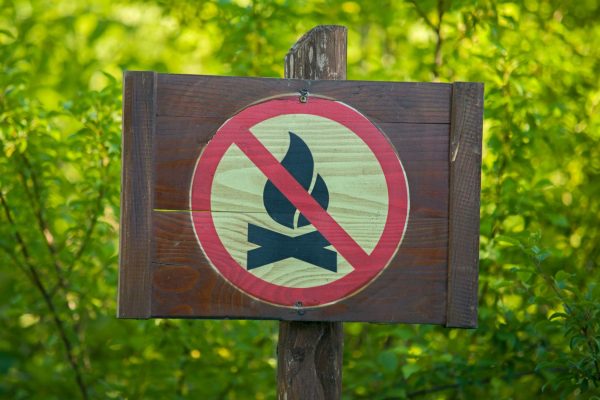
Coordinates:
(300, 200)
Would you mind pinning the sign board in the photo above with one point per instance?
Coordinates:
(300, 200)
(307, 230)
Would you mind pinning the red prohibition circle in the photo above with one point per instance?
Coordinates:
(367, 267)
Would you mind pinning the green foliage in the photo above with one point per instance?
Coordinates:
(60, 102)
(578, 368)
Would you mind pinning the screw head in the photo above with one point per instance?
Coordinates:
(303, 95)
(299, 308)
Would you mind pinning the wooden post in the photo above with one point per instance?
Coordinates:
(310, 353)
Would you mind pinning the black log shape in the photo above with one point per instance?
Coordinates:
(275, 246)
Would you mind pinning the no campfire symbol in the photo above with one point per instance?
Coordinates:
(275, 246)
(299, 202)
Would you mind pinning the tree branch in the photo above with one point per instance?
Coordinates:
(17, 262)
(87, 235)
(96, 211)
(38, 210)
(422, 14)
(36, 204)
(437, 29)
(90, 228)
(439, 41)
(483, 381)
(37, 282)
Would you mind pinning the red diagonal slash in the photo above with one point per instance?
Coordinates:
(301, 199)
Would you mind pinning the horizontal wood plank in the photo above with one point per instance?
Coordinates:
(218, 96)
(411, 289)
(422, 148)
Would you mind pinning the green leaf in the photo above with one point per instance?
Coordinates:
(506, 241)
(388, 360)
(409, 369)
(558, 315)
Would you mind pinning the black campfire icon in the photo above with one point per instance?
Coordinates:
(275, 246)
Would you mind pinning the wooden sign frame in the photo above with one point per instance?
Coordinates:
(436, 129)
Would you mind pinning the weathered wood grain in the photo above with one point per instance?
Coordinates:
(411, 289)
(303, 350)
(310, 355)
(319, 54)
(422, 148)
(436, 130)
(176, 242)
(139, 110)
(420, 277)
(465, 184)
(199, 96)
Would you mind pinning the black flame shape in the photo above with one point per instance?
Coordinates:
(300, 164)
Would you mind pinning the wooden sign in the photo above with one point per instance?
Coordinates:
(300, 200)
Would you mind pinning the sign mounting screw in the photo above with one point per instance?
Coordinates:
(303, 95)
(299, 308)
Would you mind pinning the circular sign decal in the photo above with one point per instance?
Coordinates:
(299, 204)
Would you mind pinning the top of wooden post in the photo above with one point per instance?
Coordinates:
(319, 54)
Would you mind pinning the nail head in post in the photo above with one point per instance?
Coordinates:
(299, 308)
(303, 95)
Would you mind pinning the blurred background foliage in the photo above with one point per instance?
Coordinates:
(60, 116)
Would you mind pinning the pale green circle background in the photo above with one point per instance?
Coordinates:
(358, 195)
